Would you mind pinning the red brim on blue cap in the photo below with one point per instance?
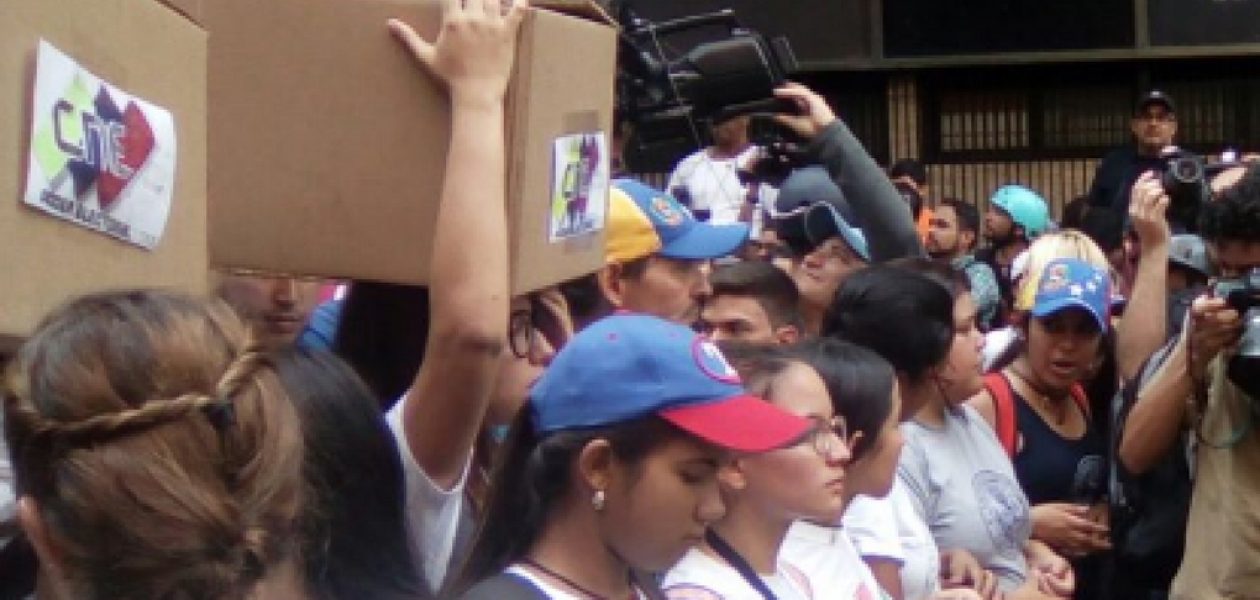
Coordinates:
(740, 423)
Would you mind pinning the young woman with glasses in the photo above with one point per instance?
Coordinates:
(766, 493)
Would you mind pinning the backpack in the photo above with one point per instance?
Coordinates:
(1004, 408)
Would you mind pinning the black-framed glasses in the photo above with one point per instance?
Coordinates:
(526, 327)
(828, 435)
(522, 336)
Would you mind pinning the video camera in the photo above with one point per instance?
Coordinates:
(1243, 295)
(669, 95)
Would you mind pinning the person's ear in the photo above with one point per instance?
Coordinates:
(787, 335)
(30, 519)
(732, 474)
(612, 284)
(855, 438)
(596, 471)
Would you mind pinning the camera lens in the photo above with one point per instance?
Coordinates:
(1186, 170)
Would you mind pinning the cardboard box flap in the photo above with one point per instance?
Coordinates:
(190, 9)
(585, 9)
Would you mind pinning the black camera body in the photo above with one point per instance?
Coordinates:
(1184, 180)
(1243, 295)
(672, 81)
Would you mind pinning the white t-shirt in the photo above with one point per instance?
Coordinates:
(699, 576)
(830, 562)
(433, 513)
(713, 184)
(8, 491)
(549, 590)
(890, 528)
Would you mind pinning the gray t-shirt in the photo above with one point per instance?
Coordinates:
(962, 483)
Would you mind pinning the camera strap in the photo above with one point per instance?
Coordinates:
(738, 563)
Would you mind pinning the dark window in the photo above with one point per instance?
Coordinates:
(1082, 111)
(949, 27)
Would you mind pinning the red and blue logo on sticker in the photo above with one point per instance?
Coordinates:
(92, 141)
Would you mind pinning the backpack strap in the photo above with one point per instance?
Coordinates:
(1081, 400)
(1003, 410)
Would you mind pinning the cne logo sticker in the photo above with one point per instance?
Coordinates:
(99, 157)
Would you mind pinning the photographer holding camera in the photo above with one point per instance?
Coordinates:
(1207, 386)
(1154, 125)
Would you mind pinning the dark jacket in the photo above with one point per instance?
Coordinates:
(1115, 176)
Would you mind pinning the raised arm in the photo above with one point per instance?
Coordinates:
(469, 298)
(1161, 408)
(886, 220)
(1143, 328)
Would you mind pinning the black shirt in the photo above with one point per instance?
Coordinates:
(1115, 176)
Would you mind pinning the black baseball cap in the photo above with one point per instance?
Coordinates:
(1155, 97)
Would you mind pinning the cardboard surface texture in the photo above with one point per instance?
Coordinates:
(146, 49)
(328, 140)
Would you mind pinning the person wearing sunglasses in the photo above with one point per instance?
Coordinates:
(766, 493)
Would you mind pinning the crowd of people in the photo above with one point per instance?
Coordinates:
(840, 388)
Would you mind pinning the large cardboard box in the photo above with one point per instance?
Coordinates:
(328, 141)
(147, 49)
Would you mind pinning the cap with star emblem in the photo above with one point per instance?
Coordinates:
(1073, 283)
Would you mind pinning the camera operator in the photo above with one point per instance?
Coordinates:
(1154, 125)
(1206, 387)
(708, 180)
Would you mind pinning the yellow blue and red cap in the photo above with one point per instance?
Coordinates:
(643, 221)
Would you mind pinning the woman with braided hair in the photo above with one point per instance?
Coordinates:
(155, 453)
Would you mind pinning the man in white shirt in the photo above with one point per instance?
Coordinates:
(708, 182)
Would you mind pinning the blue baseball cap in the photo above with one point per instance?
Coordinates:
(811, 208)
(643, 221)
(1073, 283)
(628, 366)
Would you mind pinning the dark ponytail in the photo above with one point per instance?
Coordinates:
(532, 476)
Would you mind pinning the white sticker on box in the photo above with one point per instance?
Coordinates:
(100, 157)
(579, 185)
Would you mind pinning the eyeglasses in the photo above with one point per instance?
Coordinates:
(826, 434)
(527, 326)
(522, 336)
